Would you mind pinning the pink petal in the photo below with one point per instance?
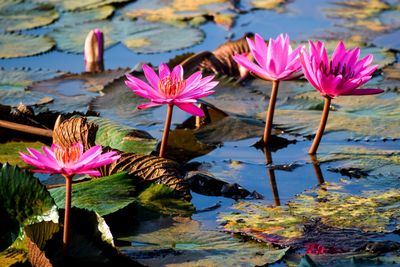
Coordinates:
(190, 108)
(151, 76)
(163, 71)
(148, 105)
(177, 72)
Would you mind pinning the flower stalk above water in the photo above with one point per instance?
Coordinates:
(68, 162)
(275, 62)
(343, 74)
(170, 88)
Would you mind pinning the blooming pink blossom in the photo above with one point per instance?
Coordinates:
(171, 88)
(275, 61)
(69, 161)
(340, 75)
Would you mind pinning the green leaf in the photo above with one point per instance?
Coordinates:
(140, 36)
(23, 200)
(28, 45)
(104, 195)
(121, 137)
(164, 200)
(9, 152)
(18, 15)
(181, 241)
(76, 5)
(83, 16)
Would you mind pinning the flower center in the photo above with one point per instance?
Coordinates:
(171, 86)
(67, 155)
(336, 70)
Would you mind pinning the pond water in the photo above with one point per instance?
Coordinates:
(292, 172)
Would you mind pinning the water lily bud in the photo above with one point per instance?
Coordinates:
(94, 44)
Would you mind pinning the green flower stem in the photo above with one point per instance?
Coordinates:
(321, 128)
(270, 113)
(164, 140)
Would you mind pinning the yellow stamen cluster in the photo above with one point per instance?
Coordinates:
(171, 86)
(67, 155)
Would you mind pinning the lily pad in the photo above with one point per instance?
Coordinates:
(28, 45)
(373, 211)
(36, 204)
(83, 16)
(140, 36)
(121, 137)
(104, 195)
(76, 5)
(20, 15)
(182, 242)
(9, 152)
(73, 92)
(18, 79)
(178, 12)
(269, 4)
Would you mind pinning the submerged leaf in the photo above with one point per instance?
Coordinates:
(28, 45)
(181, 241)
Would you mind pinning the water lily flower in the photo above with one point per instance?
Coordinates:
(170, 88)
(343, 74)
(94, 49)
(68, 162)
(274, 62)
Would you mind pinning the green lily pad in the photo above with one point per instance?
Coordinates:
(19, 15)
(269, 224)
(76, 5)
(164, 200)
(9, 152)
(178, 12)
(83, 16)
(28, 45)
(373, 211)
(104, 195)
(355, 9)
(182, 242)
(73, 92)
(121, 137)
(269, 4)
(139, 36)
(24, 200)
(18, 79)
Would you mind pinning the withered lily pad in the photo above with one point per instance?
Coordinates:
(21, 15)
(180, 12)
(28, 45)
(269, 4)
(141, 37)
(181, 242)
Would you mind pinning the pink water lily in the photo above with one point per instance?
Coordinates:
(343, 74)
(275, 62)
(93, 51)
(68, 161)
(171, 88)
